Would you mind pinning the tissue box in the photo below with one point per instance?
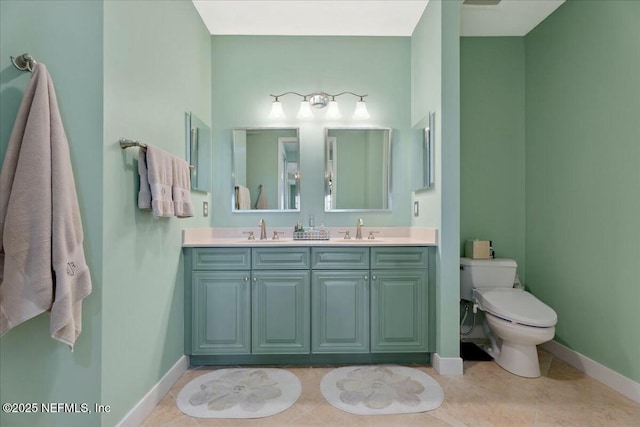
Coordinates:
(477, 249)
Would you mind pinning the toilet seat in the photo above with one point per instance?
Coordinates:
(517, 306)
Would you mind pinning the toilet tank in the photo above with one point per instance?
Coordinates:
(485, 273)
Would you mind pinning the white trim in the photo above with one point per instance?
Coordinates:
(139, 412)
(605, 375)
(447, 365)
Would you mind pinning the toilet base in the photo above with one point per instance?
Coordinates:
(519, 359)
(516, 345)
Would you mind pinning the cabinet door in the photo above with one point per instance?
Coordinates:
(281, 312)
(399, 311)
(221, 322)
(340, 311)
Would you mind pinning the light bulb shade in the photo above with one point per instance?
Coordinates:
(305, 111)
(276, 111)
(333, 112)
(361, 112)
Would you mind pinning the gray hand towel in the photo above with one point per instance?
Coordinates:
(155, 167)
(181, 188)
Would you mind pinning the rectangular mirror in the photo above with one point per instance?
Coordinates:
(357, 169)
(266, 169)
(425, 142)
(198, 147)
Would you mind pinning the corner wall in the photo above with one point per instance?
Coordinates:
(157, 67)
(492, 144)
(435, 79)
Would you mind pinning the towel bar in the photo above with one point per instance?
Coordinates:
(126, 143)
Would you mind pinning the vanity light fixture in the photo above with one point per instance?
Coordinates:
(276, 111)
(305, 110)
(361, 112)
(319, 100)
(333, 112)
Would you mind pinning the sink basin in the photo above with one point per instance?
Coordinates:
(262, 242)
(357, 241)
(289, 241)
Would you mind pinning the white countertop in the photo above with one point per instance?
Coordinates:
(234, 237)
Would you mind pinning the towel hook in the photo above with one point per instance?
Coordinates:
(24, 62)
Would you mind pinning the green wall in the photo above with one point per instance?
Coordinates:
(246, 69)
(435, 74)
(492, 144)
(66, 36)
(157, 67)
(583, 177)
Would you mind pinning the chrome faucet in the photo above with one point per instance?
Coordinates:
(359, 225)
(263, 229)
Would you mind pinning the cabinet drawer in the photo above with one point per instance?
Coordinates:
(280, 258)
(399, 257)
(221, 259)
(340, 258)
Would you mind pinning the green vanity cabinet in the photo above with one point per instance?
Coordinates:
(309, 304)
(281, 300)
(399, 299)
(280, 312)
(221, 307)
(399, 311)
(340, 309)
(218, 302)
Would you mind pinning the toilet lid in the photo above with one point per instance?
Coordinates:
(517, 306)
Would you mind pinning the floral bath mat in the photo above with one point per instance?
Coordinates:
(240, 393)
(381, 390)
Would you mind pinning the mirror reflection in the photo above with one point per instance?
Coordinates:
(198, 147)
(357, 169)
(266, 169)
(424, 140)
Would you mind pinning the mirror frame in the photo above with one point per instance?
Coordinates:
(389, 207)
(425, 162)
(233, 172)
(200, 166)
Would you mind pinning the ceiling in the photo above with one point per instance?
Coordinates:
(363, 17)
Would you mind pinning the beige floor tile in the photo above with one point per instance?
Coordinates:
(165, 413)
(486, 395)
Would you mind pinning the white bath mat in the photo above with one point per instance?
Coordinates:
(240, 393)
(381, 390)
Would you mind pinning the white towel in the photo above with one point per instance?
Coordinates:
(155, 167)
(243, 198)
(181, 188)
(41, 255)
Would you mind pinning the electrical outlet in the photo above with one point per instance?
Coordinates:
(205, 209)
(416, 208)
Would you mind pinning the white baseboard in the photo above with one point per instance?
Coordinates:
(139, 412)
(605, 375)
(446, 365)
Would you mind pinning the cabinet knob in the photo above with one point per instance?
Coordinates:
(366, 277)
(373, 277)
(255, 279)
(246, 278)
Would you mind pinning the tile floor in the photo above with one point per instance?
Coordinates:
(486, 395)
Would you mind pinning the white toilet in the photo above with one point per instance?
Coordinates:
(517, 321)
